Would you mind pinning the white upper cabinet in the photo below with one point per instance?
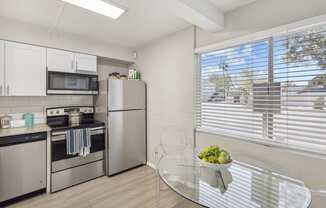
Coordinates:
(25, 67)
(65, 61)
(59, 60)
(86, 63)
(2, 68)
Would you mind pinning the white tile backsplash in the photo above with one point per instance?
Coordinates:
(17, 106)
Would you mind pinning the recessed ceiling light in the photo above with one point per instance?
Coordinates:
(98, 6)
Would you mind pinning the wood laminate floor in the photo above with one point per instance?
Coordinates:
(132, 189)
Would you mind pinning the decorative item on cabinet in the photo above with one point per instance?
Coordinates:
(123, 77)
(134, 74)
(114, 75)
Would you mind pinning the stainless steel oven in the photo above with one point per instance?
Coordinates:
(68, 170)
(71, 83)
(59, 146)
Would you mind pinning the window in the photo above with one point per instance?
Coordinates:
(271, 90)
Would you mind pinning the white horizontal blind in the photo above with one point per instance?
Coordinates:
(226, 89)
(299, 65)
(272, 91)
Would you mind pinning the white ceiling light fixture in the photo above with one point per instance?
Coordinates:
(99, 6)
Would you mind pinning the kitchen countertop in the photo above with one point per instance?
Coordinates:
(23, 130)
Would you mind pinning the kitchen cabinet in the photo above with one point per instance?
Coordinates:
(25, 70)
(86, 63)
(2, 68)
(65, 61)
(60, 60)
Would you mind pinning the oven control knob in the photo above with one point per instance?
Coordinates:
(90, 110)
(51, 112)
(57, 112)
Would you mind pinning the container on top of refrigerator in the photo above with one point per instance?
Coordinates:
(134, 74)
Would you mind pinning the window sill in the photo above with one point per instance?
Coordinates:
(268, 144)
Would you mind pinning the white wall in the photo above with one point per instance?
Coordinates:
(105, 67)
(167, 66)
(33, 34)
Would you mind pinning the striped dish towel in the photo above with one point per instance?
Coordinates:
(73, 141)
(85, 142)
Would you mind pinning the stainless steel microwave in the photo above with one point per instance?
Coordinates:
(62, 83)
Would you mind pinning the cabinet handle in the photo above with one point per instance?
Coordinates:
(72, 64)
(1, 90)
(8, 90)
(76, 65)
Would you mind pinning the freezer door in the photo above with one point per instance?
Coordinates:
(126, 140)
(126, 94)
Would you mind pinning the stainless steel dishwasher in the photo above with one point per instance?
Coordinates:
(22, 166)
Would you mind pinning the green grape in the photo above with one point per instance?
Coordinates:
(221, 160)
(213, 154)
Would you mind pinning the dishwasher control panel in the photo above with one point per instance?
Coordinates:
(24, 138)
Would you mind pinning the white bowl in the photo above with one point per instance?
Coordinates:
(213, 165)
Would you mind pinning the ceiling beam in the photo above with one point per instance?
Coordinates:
(201, 13)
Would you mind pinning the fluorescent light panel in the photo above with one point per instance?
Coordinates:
(98, 6)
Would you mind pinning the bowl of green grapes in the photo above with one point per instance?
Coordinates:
(214, 157)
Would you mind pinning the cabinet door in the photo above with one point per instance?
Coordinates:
(59, 60)
(86, 63)
(25, 67)
(2, 68)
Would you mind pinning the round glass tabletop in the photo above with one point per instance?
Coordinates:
(239, 186)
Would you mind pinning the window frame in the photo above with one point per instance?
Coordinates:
(249, 39)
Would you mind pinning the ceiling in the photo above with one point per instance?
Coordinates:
(229, 5)
(145, 21)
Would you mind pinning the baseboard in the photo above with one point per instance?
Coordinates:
(151, 165)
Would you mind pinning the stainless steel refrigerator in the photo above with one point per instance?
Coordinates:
(122, 105)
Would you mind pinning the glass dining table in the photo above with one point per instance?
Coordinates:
(239, 186)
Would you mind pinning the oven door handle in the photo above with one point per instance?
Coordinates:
(97, 132)
(58, 136)
(97, 128)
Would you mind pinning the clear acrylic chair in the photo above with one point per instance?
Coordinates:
(173, 141)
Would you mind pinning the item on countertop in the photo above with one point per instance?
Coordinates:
(29, 120)
(18, 123)
(75, 117)
(6, 121)
(213, 156)
(114, 75)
